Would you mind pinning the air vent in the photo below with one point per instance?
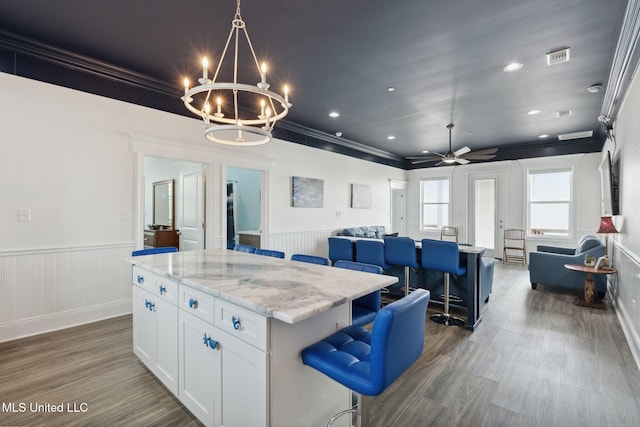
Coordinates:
(575, 135)
(558, 56)
(565, 113)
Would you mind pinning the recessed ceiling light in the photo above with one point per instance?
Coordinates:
(391, 89)
(334, 114)
(391, 137)
(543, 136)
(425, 151)
(565, 113)
(594, 88)
(533, 112)
(514, 66)
(338, 134)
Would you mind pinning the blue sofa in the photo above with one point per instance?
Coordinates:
(546, 265)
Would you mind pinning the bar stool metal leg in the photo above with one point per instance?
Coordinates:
(445, 318)
(354, 410)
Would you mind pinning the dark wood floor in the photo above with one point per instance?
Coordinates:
(536, 360)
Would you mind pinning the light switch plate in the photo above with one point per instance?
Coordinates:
(24, 215)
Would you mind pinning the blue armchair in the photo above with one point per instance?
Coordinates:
(546, 265)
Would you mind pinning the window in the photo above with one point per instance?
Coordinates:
(549, 202)
(435, 203)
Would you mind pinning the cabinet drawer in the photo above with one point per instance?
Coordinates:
(246, 325)
(196, 302)
(142, 278)
(149, 239)
(166, 289)
(157, 285)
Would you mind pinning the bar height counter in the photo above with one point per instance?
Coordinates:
(244, 318)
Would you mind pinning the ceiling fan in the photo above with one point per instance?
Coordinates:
(461, 156)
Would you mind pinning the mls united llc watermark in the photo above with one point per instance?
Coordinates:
(21, 407)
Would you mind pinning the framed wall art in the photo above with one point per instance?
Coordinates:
(307, 192)
(360, 196)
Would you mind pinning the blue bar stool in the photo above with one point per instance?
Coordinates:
(311, 259)
(365, 308)
(371, 252)
(367, 362)
(270, 252)
(340, 249)
(245, 248)
(401, 251)
(443, 256)
(152, 251)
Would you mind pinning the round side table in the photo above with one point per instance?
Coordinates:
(589, 299)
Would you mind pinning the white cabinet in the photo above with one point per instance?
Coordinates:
(229, 365)
(223, 380)
(245, 383)
(155, 327)
(200, 365)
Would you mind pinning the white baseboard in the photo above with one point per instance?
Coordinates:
(629, 332)
(62, 320)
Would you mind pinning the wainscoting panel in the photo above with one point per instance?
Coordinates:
(304, 242)
(44, 290)
(624, 288)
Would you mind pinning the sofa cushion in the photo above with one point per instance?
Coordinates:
(374, 231)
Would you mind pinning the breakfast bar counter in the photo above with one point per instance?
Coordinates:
(223, 331)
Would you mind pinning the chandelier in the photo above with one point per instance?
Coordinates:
(228, 122)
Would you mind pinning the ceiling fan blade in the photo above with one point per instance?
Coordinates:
(481, 152)
(462, 161)
(461, 151)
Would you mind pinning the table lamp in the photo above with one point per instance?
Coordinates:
(606, 228)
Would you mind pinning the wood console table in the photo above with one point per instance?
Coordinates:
(589, 299)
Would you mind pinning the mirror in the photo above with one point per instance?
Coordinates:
(163, 204)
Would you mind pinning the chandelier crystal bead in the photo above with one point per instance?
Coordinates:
(238, 127)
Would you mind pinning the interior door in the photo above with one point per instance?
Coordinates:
(486, 211)
(192, 226)
(398, 206)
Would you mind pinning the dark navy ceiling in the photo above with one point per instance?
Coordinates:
(444, 59)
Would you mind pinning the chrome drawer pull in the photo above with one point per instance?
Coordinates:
(140, 279)
(162, 290)
(193, 303)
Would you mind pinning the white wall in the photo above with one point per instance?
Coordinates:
(625, 246)
(338, 173)
(69, 158)
(586, 215)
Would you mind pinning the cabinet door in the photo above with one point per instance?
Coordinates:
(144, 327)
(166, 363)
(199, 368)
(244, 383)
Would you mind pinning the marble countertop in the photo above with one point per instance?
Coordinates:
(290, 291)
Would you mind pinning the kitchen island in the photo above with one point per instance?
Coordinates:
(223, 331)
